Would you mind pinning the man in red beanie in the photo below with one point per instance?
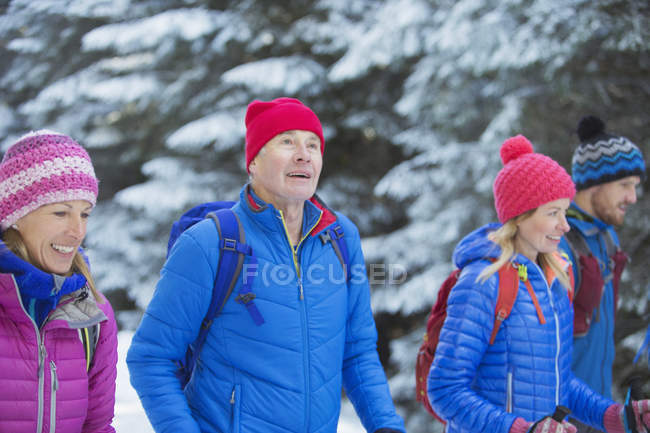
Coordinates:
(317, 336)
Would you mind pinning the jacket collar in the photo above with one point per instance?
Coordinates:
(316, 216)
(585, 223)
(78, 309)
(40, 291)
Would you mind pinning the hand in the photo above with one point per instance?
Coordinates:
(641, 411)
(549, 425)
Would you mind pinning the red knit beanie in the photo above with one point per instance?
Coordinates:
(527, 180)
(266, 119)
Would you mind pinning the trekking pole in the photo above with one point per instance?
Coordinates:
(560, 413)
(634, 393)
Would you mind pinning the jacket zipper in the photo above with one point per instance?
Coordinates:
(509, 392)
(557, 336)
(235, 402)
(42, 354)
(55, 387)
(303, 313)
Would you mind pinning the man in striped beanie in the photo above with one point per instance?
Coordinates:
(606, 170)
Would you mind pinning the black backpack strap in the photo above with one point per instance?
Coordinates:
(334, 235)
(89, 337)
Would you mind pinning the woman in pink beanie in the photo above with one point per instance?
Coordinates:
(510, 378)
(57, 332)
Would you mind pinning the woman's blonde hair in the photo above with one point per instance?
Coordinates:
(504, 237)
(14, 241)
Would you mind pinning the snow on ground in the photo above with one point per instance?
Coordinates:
(130, 417)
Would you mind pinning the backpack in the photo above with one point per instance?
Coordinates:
(509, 277)
(589, 280)
(233, 250)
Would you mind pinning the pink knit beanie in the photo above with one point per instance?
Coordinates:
(527, 180)
(266, 119)
(43, 167)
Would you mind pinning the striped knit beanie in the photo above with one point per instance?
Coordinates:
(603, 157)
(43, 167)
(527, 180)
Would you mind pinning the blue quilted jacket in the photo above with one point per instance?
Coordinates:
(593, 353)
(284, 376)
(480, 387)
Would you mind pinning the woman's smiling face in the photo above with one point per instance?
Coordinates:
(53, 233)
(542, 231)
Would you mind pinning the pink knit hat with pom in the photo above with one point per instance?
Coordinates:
(43, 167)
(527, 180)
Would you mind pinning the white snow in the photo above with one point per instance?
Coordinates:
(284, 75)
(26, 45)
(225, 128)
(150, 32)
(392, 33)
(129, 414)
(86, 8)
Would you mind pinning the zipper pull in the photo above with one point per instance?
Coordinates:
(55, 379)
(302, 294)
(522, 271)
(232, 397)
(41, 360)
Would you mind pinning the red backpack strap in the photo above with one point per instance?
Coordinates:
(509, 278)
(538, 308)
(522, 272)
(508, 288)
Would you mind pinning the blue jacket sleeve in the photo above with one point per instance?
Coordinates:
(170, 323)
(364, 379)
(586, 404)
(464, 339)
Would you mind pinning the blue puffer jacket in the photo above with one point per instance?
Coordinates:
(526, 372)
(283, 376)
(593, 353)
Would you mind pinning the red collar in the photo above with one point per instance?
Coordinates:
(327, 218)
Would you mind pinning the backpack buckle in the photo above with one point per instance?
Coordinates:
(229, 244)
(325, 237)
(245, 298)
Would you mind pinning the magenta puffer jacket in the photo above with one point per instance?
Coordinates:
(44, 385)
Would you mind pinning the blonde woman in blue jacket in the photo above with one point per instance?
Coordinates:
(318, 334)
(515, 384)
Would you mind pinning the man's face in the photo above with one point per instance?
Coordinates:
(287, 169)
(610, 200)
